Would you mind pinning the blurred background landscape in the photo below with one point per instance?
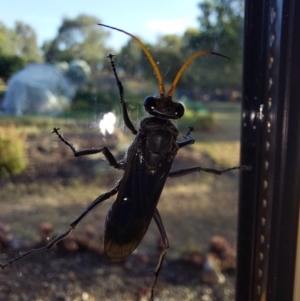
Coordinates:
(66, 81)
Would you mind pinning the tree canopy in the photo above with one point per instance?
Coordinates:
(20, 40)
(220, 30)
(78, 38)
(18, 46)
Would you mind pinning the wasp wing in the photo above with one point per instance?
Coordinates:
(130, 215)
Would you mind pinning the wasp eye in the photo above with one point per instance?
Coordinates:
(150, 103)
(179, 110)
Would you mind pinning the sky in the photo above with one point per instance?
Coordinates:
(146, 19)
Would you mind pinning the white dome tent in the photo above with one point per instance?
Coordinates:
(44, 88)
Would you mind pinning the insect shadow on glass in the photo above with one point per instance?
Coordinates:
(146, 166)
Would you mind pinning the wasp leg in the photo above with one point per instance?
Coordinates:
(188, 138)
(186, 171)
(90, 151)
(188, 141)
(73, 225)
(163, 234)
(121, 93)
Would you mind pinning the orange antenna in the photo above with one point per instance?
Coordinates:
(149, 55)
(186, 64)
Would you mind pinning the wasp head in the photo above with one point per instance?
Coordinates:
(163, 106)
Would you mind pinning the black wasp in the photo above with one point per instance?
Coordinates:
(146, 166)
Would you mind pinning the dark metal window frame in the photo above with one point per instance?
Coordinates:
(270, 193)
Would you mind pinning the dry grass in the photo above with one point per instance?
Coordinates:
(56, 188)
(194, 207)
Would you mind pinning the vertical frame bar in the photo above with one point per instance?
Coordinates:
(269, 196)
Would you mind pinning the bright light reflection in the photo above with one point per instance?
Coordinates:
(107, 123)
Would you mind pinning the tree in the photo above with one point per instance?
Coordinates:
(20, 41)
(18, 46)
(221, 25)
(168, 56)
(129, 58)
(27, 42)
(166, 52)
(78, 38)
(220, 30)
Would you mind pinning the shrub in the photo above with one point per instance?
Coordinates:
(199, 119)
(12, 151)
(10, 64)
(94, 102)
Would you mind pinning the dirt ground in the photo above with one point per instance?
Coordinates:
(77, 269)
